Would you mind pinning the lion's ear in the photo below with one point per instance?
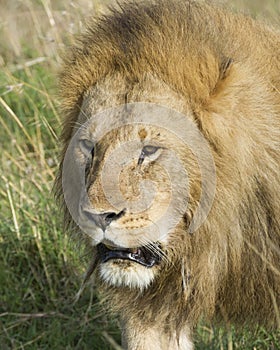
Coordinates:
(224, 72)
(225, 67)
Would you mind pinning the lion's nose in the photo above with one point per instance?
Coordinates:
(107, 218)
(103, 220)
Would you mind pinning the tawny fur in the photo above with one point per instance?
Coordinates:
(226, 69)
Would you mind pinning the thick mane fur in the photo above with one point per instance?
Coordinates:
(166, 38)
(226, 66)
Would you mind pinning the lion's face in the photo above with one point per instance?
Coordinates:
(140, 179)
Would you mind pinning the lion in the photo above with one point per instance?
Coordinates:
(170, 166)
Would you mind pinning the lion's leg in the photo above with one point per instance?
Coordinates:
(139, 337)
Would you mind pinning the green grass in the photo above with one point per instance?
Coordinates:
(40, 269)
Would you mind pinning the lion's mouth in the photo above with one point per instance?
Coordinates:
(141, 255)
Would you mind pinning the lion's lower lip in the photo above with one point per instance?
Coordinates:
(141, 255)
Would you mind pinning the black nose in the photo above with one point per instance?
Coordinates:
(103, 220)
(107, 218)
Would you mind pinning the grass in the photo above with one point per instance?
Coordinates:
(40, 269)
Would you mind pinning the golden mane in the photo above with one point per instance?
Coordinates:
(226, 67)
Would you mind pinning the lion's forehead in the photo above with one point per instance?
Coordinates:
(115, 90)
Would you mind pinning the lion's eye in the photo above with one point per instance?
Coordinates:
(147, 151)
(87, 147)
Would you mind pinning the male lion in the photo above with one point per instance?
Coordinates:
(171, 166)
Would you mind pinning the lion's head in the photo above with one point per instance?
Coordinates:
(171, 159)
(141, 166)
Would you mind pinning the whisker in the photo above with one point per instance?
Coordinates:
(161, 253)
(154, 248)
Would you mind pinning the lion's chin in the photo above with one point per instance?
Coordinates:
(123, 273)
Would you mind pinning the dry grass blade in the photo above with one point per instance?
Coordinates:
(11, 202)
(111, 341)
